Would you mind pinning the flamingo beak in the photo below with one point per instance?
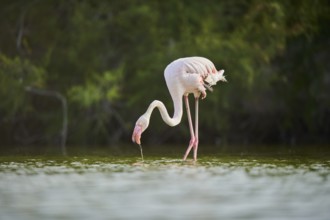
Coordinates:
(136, 136)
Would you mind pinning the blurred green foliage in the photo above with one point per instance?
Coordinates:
(15, 75)
(108, 57)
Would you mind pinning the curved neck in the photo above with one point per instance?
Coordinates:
(176, 119)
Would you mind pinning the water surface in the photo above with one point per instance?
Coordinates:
(232, 187)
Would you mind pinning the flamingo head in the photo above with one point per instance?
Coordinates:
(140, 126)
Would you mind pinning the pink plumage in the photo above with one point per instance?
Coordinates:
(183, 76)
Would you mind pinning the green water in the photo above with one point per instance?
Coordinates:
(215, 187)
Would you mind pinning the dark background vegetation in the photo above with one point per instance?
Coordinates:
(106, 58)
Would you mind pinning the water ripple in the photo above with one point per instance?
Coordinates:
(164, 188)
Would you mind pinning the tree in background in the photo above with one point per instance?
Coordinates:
(107, 58)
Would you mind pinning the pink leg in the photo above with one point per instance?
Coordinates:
(192, 135)
(196, 129)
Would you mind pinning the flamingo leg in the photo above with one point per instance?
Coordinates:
(192, 134)
(195, 146)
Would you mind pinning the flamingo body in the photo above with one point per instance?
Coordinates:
(183, 76)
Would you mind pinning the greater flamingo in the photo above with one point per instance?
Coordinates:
(183, 76)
